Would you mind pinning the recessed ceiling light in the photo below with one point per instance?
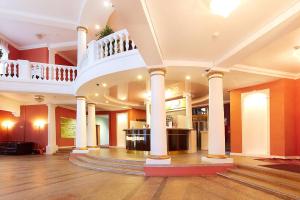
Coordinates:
(96, 94)
(223, 7)
(139, 77)
(107, 3)
(188, 78)
(106, 101)
(104, 84)
(97, 26)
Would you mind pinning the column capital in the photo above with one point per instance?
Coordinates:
(90, 103)
(80, 98)
(157, 70)
(214, 74)
(82, 28)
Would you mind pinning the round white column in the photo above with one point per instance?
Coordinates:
(148, 112)
(81, 138)
(188, 101)
(51, 148)
(91, 134)
(81, 43)
(216, 127)
(159, 148)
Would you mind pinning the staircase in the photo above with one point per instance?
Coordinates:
(108, 164)
(285, 185)
(64, 152)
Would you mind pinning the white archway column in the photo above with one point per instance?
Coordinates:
(81, 43)
(216, 127)
(51, 147)
(148, 103)
(188, 109)
(91, 134)
(159, 148)
(81, 137)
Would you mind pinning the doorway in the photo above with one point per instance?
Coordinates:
(256, 123)
(102, 123)
(122, 123)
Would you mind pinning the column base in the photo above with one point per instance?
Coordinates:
(51, 149)
(158, 160)
(93, 148)
(216, 160)
(80, 150)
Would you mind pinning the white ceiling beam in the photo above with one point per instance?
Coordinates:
(38, 19)
(263, 71)
(229, 57)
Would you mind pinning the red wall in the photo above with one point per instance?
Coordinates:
(67, 113)
(14, 53)
(35, 55)
(8, 134)
(284, 129)
(61, 61)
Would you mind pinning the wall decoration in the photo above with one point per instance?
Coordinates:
(67, 127)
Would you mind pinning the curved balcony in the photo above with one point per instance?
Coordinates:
(113, 53)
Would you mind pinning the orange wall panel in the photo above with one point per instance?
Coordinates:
(35, 55)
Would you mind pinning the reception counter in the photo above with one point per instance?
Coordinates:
(139, 139)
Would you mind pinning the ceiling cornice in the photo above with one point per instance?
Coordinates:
(9, 41)
(285, 16)
(263, 71)
(33, 46)
(38, 19)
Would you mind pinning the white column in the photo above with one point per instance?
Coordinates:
(51, 148)
(81, 137)
(159, 148)
(148, 103)
(188, 109)
(51, 58)
(81, 43)
(91, 134)
(216, 129)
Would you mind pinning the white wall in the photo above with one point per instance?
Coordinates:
(122, 123)
(103, 121)
(10, 105)
(256, 123)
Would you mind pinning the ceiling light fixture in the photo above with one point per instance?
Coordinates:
(139, 77)
(188, 78)
(104, 84)
(107, 3)
(106, 101)
(223, 7)
(96, 94)
(97, 26)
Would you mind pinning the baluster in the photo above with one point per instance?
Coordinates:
(55, 73)
(121, 43)
(132, 44)
(127, 42)
(45, 72)
(101, 50)
(50, 74)
(116, 44)
(59, 73)
(110, 46)
(69, 74)
(14, 73)
(105, 49)
(64, 74)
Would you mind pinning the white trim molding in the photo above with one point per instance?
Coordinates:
(263, 71)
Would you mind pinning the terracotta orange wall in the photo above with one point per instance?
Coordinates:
(61, 61)
(297, 115)
(67, 113)
(35, 55)
(282, 117)
(14, 53)
(10, 134)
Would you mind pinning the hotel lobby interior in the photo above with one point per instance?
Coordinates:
(149, 99)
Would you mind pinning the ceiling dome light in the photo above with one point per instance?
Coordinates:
(139, 77)
(223, 7)
(188, 78)
(97, 26)
(107, 3)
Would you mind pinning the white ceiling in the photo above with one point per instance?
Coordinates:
(55, 19)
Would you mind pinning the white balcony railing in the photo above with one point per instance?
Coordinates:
(32, 71)
(113, 44)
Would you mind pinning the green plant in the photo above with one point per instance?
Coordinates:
(107, 30)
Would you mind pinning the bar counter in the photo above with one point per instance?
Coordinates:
(139, 139)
